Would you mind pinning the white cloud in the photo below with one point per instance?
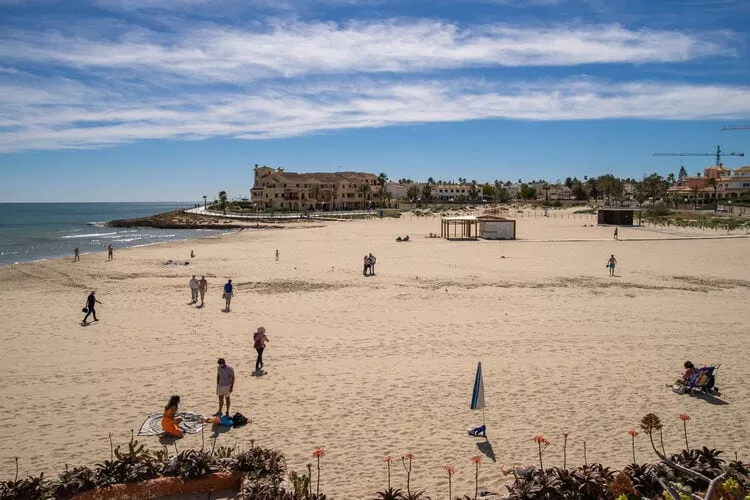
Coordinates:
(209, 52)
(75, 121)
(125, 83)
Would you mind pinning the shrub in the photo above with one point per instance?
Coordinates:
(191, 464)
(33, 487)
(77, 480)
(259, 463)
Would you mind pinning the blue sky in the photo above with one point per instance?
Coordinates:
(146, 100)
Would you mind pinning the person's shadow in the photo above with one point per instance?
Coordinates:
(711, 398)
(259, 373)
(217, 429)
(486, 448)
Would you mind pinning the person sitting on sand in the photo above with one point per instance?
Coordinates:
(406, 238)
(169, 422)
(398, 238)
(690, 372)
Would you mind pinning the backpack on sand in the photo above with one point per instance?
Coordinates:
(239, 419)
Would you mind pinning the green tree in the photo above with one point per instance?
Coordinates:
(427, 192)
(364, 190)
(382, 181)
(712, 182)
(654, 186)
(412, 192)
(488, 191)
(526, 192)
(694, 190)
(546, 191)
(577, 190)
(223, 201)
(568, 182)
(387, 196)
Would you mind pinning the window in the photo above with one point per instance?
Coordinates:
(275, 195)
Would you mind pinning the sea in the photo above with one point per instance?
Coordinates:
(38, 231)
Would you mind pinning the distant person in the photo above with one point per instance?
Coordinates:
(224, 384)
(202, 288)
(170, 421)
(277, 255)
(372, 264)
(110, 252)
(611, 264)
(367, 265)
(91, 302)
(76, 254)
(193, 290)
(615, 236)
(228, 294)
(192, 254)
(259, 342)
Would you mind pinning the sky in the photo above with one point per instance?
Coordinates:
(150, 100)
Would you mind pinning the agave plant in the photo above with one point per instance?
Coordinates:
(390, 494)
(192, 464)
(259, 463)
(76, 480)
(35, 487)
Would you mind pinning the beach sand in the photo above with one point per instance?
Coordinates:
(369, 367)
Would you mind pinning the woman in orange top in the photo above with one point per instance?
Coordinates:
(169, 421)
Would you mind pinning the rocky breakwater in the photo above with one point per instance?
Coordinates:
(182, 220)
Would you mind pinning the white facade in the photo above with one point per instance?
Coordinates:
(497, 229)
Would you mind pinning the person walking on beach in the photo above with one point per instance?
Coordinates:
(615, 236)
(367, 266)
(193, 290)
(76, 254)
(372, 264)
(228, 294)
(202, 288)
(110, 252)
(277, 255)
(259, 342)
(611, 265)
(91, 302)
(224, 384)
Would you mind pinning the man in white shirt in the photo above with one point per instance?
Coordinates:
(193, 290)
(224, 383)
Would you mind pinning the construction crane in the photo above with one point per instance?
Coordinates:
(736, 127)
(718, 154)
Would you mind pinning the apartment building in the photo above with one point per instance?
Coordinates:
(277, 189)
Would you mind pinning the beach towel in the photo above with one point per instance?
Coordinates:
(191, 424)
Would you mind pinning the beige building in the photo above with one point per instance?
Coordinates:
(729, 184)
(276, 189)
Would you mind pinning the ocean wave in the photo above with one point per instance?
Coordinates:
(125, 240)
(96, 224)
(90, 235)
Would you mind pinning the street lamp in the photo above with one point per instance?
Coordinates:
(204, 202)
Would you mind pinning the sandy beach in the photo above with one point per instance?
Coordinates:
(369, 367)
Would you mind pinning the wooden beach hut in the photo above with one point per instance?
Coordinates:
(459, 227)
(492, 227)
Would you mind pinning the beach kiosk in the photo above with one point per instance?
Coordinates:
(496, 228)
(459, 227)
(616, 216)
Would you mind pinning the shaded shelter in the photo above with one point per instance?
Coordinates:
(459, 228)
(617, 216)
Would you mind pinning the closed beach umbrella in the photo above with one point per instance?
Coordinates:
(477, 395)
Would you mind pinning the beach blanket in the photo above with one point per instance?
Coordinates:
(191, 424)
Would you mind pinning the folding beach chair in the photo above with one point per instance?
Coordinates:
(703, 381)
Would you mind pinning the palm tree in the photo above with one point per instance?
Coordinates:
(382, 180)
(387, 196)
(364, 190)
(546, 191)
(712, 182)
(223, 201)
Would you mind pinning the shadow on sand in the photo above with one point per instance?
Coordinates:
(711, 398)
(486, 448)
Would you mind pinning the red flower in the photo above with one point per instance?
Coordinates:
(684, 417)
(319, 452)
(388, 459)
(409, 456)
(449, 469)
(633, 432)
(476, 459)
